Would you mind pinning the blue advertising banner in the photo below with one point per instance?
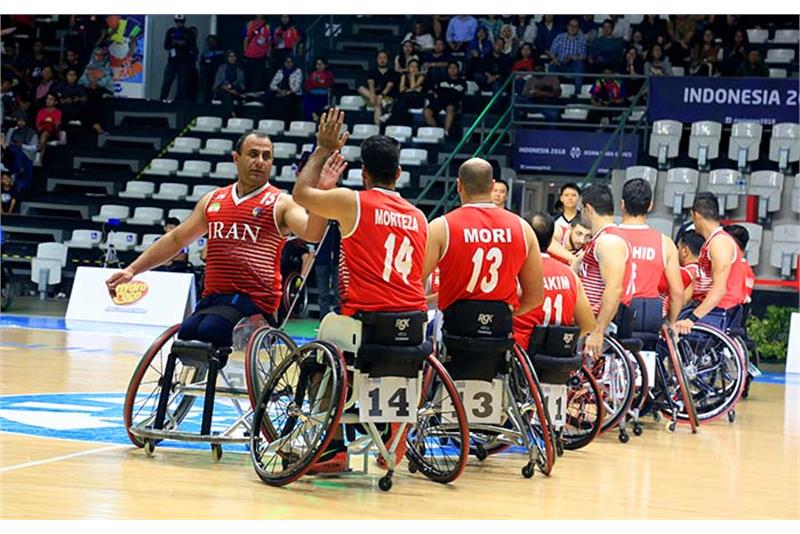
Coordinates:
(126, 53)
(569, 151)
(726, 100)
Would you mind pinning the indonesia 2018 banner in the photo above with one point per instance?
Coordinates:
(570, 151)
(726, 100)
(126, 52)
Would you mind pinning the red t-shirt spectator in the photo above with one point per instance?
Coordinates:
(257, 39)
(319, 80)
(285, 38)
(50, 126)
(523, 65)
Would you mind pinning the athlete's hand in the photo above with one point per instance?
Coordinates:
(120, 277)
(683, 327)
(330, 124)
(332, 170)
(594, 345)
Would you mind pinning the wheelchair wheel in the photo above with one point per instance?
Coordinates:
(584, 413)
(144, 389)
(614, 375)
(680, 391)
(295, 287)
(715, 369)
(438, 444)
(298, 412)
(266, 348)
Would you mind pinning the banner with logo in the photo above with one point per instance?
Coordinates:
(126, 52)
(727, 100)
(569, 151)
(152, 298)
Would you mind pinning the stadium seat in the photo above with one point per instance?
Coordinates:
(185, 145)
(307, 147)
(725, 184)
(567, 90)
(271, 127)
(237, 126)
(429, 135)
(681, 188)
(472, 88)
(753, 249)
(786, 36)
(46, 266)
(362, 131)
(147, 240)
(796, 194)
(180, 214)
(199, 190)
(172, 191)
(665, 140)
(634, 19)
(162, 167)
(351, 153)
(351, 103)
(288, 173)
(194, 168)
(704, 142)
(84, 239)
(111, 211)
(301, 129)
(138, 189)
(662, 224)
(600, 18)
(225, 170)
(207, 124)
(575, 113)
(585, 93)
(194, 251)
(785, 248)
(642, 171)
(779, 55)
(413, 156)
(678, 71)
(401, 133)
(146, 216)
(284, 150)
(122, 241)
(757, 36)
(784, 145)
(354, 178)
(778, 73)
(403, 181)
(768, 187)
(744, 142)
(217, 147)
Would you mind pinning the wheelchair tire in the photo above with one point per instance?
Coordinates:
(583, 398)
(617, 388)
(426, 443)
(524, 377)
(150, 366)
(680, 376)
(278, 456)
(266, 348)
(292, 285)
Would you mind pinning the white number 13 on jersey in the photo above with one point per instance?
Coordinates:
(489, 282)
(402, 261)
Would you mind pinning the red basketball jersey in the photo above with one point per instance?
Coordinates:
(590, 271)
(244, 245)
(735, 288)
(486, 249)
(687, 277)
(380, 267)
(558, 307)
(749, 281)
(647, 258)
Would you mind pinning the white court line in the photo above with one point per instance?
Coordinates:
(59, 458)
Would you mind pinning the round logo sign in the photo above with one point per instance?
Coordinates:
(130, 292)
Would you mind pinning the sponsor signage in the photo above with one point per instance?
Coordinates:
(570, 151)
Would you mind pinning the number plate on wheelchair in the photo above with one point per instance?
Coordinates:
(483, 401)
(389, 399)
(649, 358)
(555, 399)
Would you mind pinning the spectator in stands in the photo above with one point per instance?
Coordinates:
(411, 93)
(681, 30)
(287, 90)
(493, 25)
(607, 91)
(422, 39)
(37, 63)
(568, 51)
(622, 28)
(544, 90)
(407, 53)
(257, 47)
(478, 48)
(654, 31)
(632, 65)
(98, 80)
(210, 61)
(13, 65)
(228, 84)
(319, 86)
(705, 56)
(524, 62)
(438, 25)
(45, 86)
(381, 86)
(72, 96)
(735, 53)
(8, 100)
(48, 122)
(72, 60)
(180, 43)
(725, 27)
(546, 31)
(525, 29)
(588, 27)
(493, 69)
(657, 64)
(9, 196)
(434, 64)
(512, 42)
(499, 193)
(180, 262)
(84, 34)
(460, 32)
(606, 50)
(448, 95)
(286, 40)
(753, 66)
(19, 151)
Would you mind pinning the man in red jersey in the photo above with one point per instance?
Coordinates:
(720, 260)
(689, 245)
(605, 265)
(571, 243)
(740, 234)
(654, 256)
(565, 302)
(247, 224)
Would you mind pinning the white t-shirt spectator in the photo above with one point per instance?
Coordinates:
(423, 42)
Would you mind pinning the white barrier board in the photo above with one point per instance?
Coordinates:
(793, 357)
(152, 298)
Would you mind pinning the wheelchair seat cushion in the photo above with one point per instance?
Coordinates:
(391, 360)
(478, 318)
(554, 341)
(405, 329)
(198, 354)
(555, 370)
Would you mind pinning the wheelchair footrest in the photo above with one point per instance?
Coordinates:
(200, 353)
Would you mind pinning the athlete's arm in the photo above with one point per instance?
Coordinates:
(305, 225)
(530, 277)
(166, 247)
(437, 240)
(721, 253)
(557, 249)
(612, 255)
(584, 317)
(672, 272)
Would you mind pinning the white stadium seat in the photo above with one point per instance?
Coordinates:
(185, 145)
(678, 71)
(194, 168)
(784, 145)
(768, 187)
(47, 264)
(138, 189)
(362, 131)
(84, 239)
(413, 156)
(757, 36)
(284, 150)
(665, 139)
(744, 142)
(753, 249)
(111, 211)
(779, 55)
(351, 103)
(403, 181)
(147, 240)
(786, 36)
(642, 171)
(180, 214)
(428, 134)
(704, 142)
(207, 124)
(301, 129)
(472, 88)
(401, 133)
(225, 170)
(634, 19)
(681, 188)
(796, 194)
(217, 147)
(662, 224)
(172, 191)
(271, 127)
(238, 126)
(353, 179)
(146, 216)
(725, 184)
(586, 91)
(351, 154)
(121, 241)
(288, 173)
(199, 190)
(195, 247)
(575, 113)
(778, 73)
(162, 167)
(785, 248)
(567, 90)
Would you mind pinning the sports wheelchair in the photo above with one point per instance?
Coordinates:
(370, 370)
(503, 399)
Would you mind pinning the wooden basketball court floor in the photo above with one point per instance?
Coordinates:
(748, 469)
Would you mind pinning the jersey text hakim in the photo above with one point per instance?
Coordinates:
(554, 283)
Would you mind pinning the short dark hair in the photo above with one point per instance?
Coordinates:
(570, 185)
(543, 227)
(380, 155)
(600, 198)
(245, 135)
(693, 240)
(637, 195)
(739, 234)
(501, 181)
(172, 220)
(706, 205)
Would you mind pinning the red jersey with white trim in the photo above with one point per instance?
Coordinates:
(244, 246)
(486, 249)
(749, 281)
(735, 287)
(688, 274)
(647, 258)
(590, 275)
(380, 267)
(558, 307)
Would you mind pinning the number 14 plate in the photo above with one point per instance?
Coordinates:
(388, 399)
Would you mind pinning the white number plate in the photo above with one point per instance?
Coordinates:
(555, 398)
(389, 399)
(649, 358)
(483, 401)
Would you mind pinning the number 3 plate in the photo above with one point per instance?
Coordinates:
(387, 399)
(482, 401)
(555, 397)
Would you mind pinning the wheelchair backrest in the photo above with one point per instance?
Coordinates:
(404, 329)
(478, 318)
(554, 341)
(647, 315)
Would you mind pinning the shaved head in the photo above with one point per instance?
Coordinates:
(476, 176)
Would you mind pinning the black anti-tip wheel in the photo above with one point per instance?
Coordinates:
(481, 453)
(559, 448)
(216, 451)
(149, 447)
(412, 468)
(385, 483)
(732, 416)
(624, 437)
(528, 470)
(637, 429)
(656, 417)
(671, 426)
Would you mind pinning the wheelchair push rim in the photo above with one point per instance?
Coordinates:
(611, 386)
(586, 383)
(259, 366)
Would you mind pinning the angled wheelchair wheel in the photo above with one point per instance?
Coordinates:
(294, 287)
(584, 413)
(147, 382)
(298, 412)
(438, 444)
(680, 391)
(529, 397)
(266, 348)
(615, 376)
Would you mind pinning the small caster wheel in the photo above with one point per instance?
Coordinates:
(656, 417)
(149, 447)
(481, 453)
(624, 437)
(732, 416)
(216, 451)
(528, 470)
(745, 394)
(385, 483)
(637, 429)
(671, 426)
(412, 468)
(559, 449)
